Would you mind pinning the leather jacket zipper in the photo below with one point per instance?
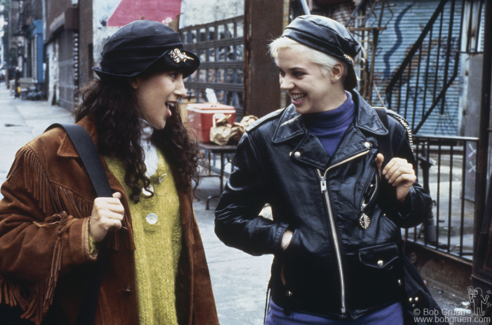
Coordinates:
(324, 190)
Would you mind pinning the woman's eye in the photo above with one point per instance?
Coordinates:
(281, 73)
(298, 74)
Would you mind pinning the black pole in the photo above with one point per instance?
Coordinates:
(483, 142)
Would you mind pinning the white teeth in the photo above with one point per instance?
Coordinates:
(297, 97)
(170, 105)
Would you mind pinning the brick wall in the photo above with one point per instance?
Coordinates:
(54, 8)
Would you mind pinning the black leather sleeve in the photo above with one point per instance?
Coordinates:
(237, 222)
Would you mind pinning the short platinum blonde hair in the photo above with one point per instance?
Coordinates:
(326, 62)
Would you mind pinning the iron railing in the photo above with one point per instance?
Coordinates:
(220, 47)
(430, 67)
(448, 171)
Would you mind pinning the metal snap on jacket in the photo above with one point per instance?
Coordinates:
(367, 144)
(151, 218)
(297, 154)
(380, 263)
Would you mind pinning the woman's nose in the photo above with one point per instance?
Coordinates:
(285, 83)
(180, 90)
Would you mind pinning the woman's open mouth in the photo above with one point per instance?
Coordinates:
(297, 98)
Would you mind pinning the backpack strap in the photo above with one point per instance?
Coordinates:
(90, 157)
(404, 123)
(384, 142)
(92, 162)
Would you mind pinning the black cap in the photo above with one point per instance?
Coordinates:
(328, 36)
(138, 45)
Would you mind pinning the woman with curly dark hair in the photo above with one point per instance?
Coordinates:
(51, 224)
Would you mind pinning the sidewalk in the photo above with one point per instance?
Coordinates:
(21, 121)
(239, 280)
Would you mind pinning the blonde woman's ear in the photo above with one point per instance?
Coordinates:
(337, 71)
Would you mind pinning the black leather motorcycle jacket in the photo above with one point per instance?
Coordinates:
(343, 259)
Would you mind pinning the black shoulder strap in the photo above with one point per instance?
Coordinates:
(384, 142)
(93, 164)
(90, 157)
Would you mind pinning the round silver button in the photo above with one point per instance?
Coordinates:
(367, 144)
(151, 218)
(380, 263)
(297, 154)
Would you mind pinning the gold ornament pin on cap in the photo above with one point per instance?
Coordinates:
(179, 56)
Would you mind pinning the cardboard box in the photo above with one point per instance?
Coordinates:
(201, 117)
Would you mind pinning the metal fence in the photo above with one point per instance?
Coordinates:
(220, 47)
(448, 171)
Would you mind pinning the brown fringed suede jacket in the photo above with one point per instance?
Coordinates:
(44, 245)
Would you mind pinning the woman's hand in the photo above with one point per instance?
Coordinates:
(399, 172)
(106, 213)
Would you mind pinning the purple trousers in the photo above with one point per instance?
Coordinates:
(391, 315)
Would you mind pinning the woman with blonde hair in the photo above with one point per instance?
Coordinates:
(319, 163)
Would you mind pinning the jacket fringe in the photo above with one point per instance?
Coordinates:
(35, 300)
(53, 198)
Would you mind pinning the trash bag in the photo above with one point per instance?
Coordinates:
(223, 133)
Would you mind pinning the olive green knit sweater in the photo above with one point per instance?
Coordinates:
(157, 233)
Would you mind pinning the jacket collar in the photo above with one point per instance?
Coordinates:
(67, 149)
(291, 129)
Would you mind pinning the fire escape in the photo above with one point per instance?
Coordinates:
(367, 22)
(25, 23)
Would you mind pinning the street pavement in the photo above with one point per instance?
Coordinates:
(239, 280)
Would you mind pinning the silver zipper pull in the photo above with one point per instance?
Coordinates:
(323, 184)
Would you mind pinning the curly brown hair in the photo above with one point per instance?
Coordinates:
(111, 103)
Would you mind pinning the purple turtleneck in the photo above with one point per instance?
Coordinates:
(330, 126)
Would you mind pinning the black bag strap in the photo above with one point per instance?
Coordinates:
(384, 142)
(90, 157)
(92, 162)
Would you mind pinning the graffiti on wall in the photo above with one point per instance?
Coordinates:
(110, 15)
